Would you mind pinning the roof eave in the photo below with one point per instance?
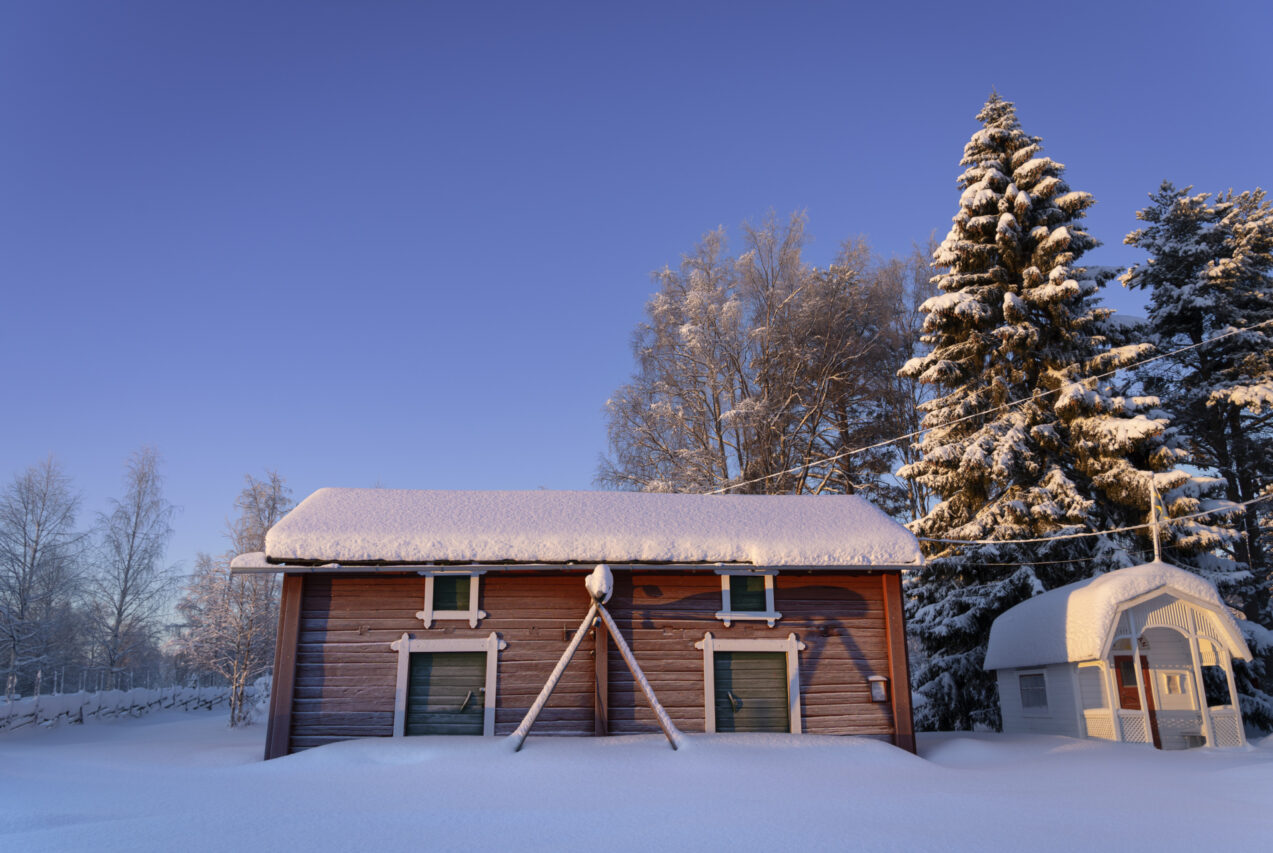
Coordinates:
(273, 565)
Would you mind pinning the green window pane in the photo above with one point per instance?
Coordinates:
(747, 593)
(451, 592)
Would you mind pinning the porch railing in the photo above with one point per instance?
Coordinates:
(1132, 724)
(1227, 725)
(1100, 724)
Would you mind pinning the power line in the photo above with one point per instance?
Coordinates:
(1038, 396)
(1228, 508)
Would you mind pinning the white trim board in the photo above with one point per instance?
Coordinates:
(790, 645)
(428, 615)
(727, 614)
(406, 644)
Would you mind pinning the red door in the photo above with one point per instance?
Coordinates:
(1129, 696)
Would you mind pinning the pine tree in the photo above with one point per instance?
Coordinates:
(1211, 271)
(1023, 441)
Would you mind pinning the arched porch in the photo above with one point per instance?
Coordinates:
(1166, 678)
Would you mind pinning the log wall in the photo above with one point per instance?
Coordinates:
(344, 674)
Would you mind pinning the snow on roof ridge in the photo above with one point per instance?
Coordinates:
(410, 526)
(1072, 622)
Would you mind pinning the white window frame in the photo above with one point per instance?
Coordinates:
(791, 646)
(406, 644)
(1046, 710)
(728, 615)
(473, 615)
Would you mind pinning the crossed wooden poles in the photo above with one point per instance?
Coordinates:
(600, 585)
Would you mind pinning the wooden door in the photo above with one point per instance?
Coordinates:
(1129, 696)
(446, 693)
(751, 692)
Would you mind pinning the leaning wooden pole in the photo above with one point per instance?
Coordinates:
(519, 735)
(665, 722)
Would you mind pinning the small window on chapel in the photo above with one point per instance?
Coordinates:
(451, 596)
(747, 596)
(1034, 693)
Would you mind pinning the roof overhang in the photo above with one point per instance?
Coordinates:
(1237, 646)
(257, 563)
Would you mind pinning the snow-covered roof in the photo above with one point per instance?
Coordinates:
(414, 527)
(1073, 622)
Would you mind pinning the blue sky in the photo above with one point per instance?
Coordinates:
(407, 243)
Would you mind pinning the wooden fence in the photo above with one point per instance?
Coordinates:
(59, 708)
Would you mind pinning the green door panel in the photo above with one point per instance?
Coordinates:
(751, 692)
(446, 693)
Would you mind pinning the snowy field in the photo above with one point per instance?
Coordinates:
(183, 781)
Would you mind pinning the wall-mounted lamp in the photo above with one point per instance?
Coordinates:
(879, 688)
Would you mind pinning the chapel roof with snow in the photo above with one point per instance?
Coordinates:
(1076, 622)
(367, 527)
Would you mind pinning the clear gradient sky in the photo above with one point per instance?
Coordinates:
(407, 243)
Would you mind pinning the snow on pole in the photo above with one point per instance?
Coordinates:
(519, 735)
(600, 584)
(669, 728)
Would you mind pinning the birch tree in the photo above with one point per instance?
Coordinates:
(754, 373)
(230, 620)
(39, 560)
(130, 586)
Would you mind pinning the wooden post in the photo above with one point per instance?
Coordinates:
(601, 692)
(898, 662)
(279, 728)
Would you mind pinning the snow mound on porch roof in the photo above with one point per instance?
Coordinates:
(1070, 623)
(396, 526)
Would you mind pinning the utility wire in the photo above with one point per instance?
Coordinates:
(1038, 396)
(1227, 508)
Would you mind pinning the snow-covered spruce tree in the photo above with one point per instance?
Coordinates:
(1017, 320)
(1210, 271)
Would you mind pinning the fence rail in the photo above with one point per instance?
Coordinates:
(58, 708)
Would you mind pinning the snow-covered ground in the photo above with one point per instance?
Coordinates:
(183, 781)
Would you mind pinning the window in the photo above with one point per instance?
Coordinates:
(442, 683)
(1034, 693)
(751, 685)
(1174, 683)
(451, 595)
(747, 594)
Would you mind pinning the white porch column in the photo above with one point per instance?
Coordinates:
(1140, 676)
(1233, 694)
(1208, 730)
(1115, 702)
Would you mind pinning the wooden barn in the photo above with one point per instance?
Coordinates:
(431, 612)
(1141, 655)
